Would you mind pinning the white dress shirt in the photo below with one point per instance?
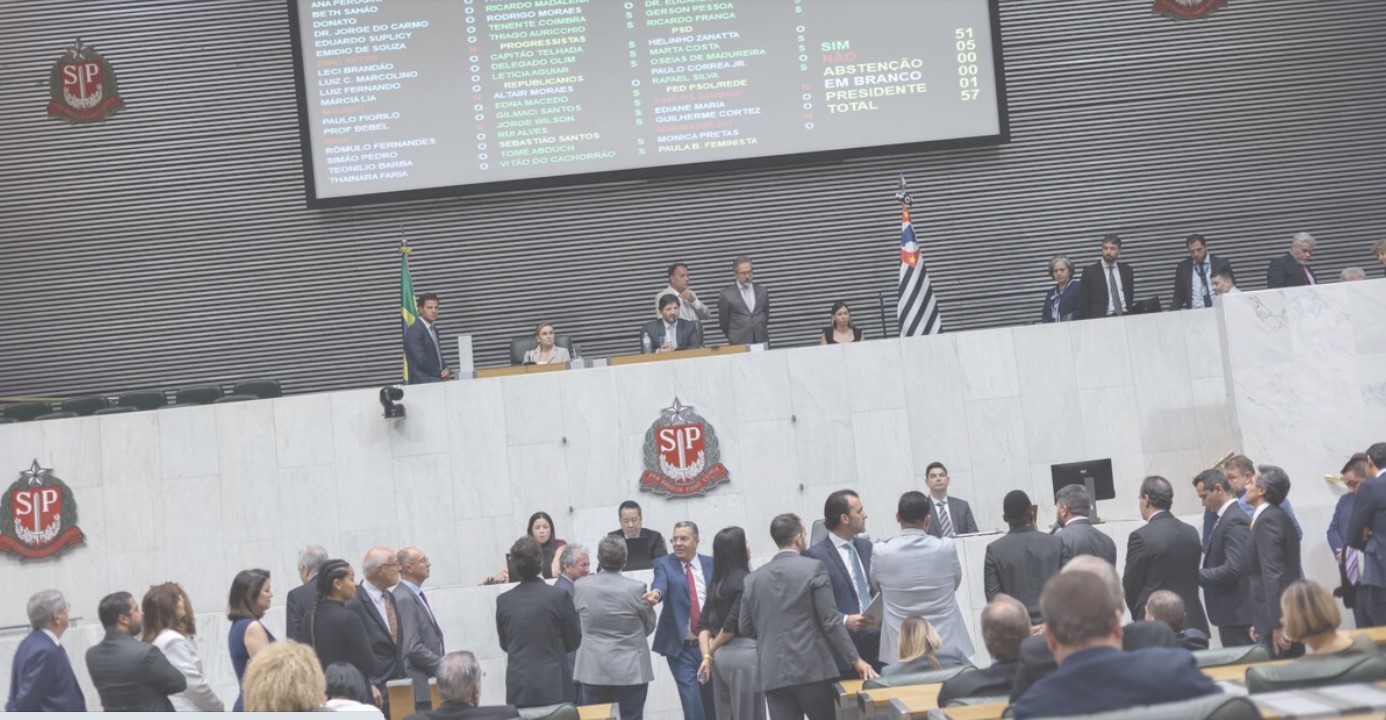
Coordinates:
(1197, 285)
(53, 636)
(700, 586)
(1224, 507)
(846, 556)
(748, 293)
(377, 597)
(1259, 509)
(694, 311)
(671, 334)
(1108, 272)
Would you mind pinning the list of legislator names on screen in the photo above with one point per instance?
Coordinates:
(419, 94)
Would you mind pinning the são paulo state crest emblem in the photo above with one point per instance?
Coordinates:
(1187, 9)
(682, 456)
(82, 86)
(38, 515)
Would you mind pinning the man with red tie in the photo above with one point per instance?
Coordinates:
(680, 581)
(1292, 269)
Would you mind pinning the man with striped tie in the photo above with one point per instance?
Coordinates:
(948, 516)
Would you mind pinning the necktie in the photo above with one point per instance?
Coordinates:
(695, 609)
(945, 524)
(1352, 565)
(1308, 279)
(748, 294)
(1112, 289)
(393, 620)
(1203, 275)
(858, 577)
(671, 335)
(433, 333)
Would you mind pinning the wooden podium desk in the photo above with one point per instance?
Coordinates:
(678, 355)
(520, 370)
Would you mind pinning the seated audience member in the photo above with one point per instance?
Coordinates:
(130, 676)
(249, 600)
(1311, 617)
(1353, 274)
(1292, 269)
(1060, 301)
(841, 330)
(545, 352)
(41, 676)
(459, 685)
(285, 677)
(669, 331)
(536, 626)
(332, 630)
(1168, 608)
(1082, 623)
(540, 528)
(1019, 562)
(1224, 282)
(690, 307)
(170, 625)
(921, 650)
(1005, 625)
(346, 689)
(643, 545)
(1192, 276)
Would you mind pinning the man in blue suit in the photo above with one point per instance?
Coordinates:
(1349, 559)
(682, 579)
(423, 353)
(41, 679)
(1083, 629)
(1367, 532)
(847, 559)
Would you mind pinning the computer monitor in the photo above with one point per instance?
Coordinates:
(1095, 475)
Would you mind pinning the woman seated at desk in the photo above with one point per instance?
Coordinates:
(921, 650)
(545, 352)
(541, 529)
(1310, 616)
(842, 331)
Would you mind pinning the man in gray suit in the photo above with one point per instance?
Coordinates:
(130, 676)
(574, 564)
(1019, 563)
(301, 599)
(613, 662)
(1077, 536)
(788, 605)
(743, 308)
(420, 637)
(948, 516)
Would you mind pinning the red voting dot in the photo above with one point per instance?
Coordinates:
(480, 126)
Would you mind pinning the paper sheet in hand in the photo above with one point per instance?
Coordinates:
(875, 610)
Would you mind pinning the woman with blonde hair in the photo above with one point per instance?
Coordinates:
(170, 624)
(921, 650)
(284, 677)
(545, 352)
(1310, 616)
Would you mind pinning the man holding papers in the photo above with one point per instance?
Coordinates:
(848, 561)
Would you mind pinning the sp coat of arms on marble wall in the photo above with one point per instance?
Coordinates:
(38, 515)
(682, 455)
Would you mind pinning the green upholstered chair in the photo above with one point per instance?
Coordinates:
(56, 416)
(561, 711)
(1231, 656)
(1315, 672)
(234, 397)
(262, 389)
(1209, 707)
(143, 399)
(25, 411)
(199, 395)
(919, 678)
(84, 405)
(115, 410)
(521, 345)
(979, 700)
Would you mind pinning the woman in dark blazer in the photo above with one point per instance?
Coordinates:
(334, 632)
(1062, 300)
(1272, 559)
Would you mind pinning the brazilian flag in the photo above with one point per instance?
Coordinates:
(408, 307)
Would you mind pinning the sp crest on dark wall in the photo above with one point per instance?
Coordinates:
(38, 515)
(82, 85)
(1187, 9)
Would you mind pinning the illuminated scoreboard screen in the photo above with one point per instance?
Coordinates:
(403, 98)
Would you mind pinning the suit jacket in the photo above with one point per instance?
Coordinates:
(739, 324)
(994, 681)
(420, 639)
(1272, 560)
(615, 622)
(788, 607)
(1068, 302)
(1337, 540)
(1019, 563)
(1105, 678)
(1224, 578)
(1164, 554)
(919, 575)
(1079, 537)
(199, 697)
(421, 353)
(959, 513)
(1369, 513)
(1285, 271)
(672, 585)
(41, 678)
(537, 627)
(452, 710)
(569, 588)
(1184, 284)
(131, 676)
(1092, 291)
(689, 334)
(389, 664)
(297, 605)
(1037, 662)
(844, 587)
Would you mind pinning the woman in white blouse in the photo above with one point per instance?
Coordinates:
(545, 351)
(169, 623)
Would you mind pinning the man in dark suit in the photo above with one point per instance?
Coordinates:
(574, 564)
(1083, 630)
(788, 606)
(1164, 554)
(948, 516)
(379, 614)
(1097, 297)
(1077, 536)
(1193, 276)
(130, 676)
(1019, 562)
(1292, 269)
(847, 560)
(459, 686)
(1349, 559)
(1005, 625)
(669, 331)
(1223, 577)
(1367, 532)
(300, 599)
(537, 627)
(682, 578)
(1272, 559)
(423, 352)
(420, 636)
(41, 677)
(743, 308)
(643, 545)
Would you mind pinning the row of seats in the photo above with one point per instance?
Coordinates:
(138, 400)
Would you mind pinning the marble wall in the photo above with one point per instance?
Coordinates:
(195, 494)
